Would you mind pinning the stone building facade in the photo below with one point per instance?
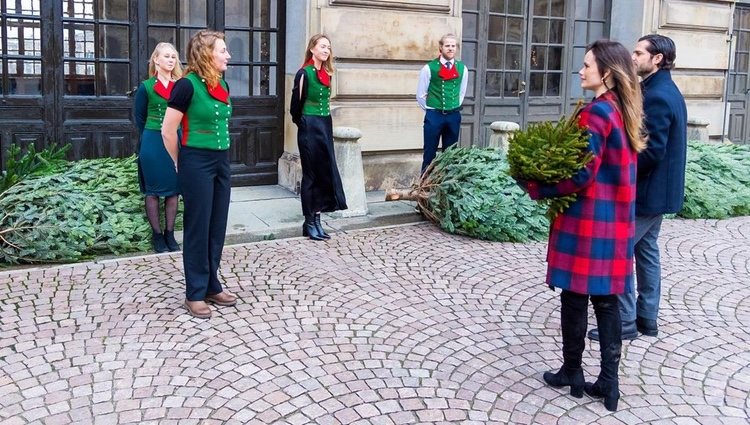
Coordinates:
(523, 57)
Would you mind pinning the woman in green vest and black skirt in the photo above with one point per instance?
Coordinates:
(200, 101)
(321, 189)
(157, 179)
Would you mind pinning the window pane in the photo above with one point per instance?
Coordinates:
(513, 58)
(162, 11)
(493, 86)
(512, 81)
(238, 78)
(24, 77)
(497, 29)
(497, 6)
(78, 40)
(469, 54)
(264, 81)
(553, 84)
(541, 7)
(515, 7)
(539, 30)
(495, 56)
(598, 10)
(238, 43)
(113, 42)
(538, 57)
(115, 79)
(470, 5)
(79, 78)
(558, 7)
(236, 13)
(536, 84)
(470, 26)
(78, 9)
(515, 29)
(264, 47)
(193, 12)
(113, 10)
(26, 7)
(264, 14)
(556, 31)
(554, 58)
(24, 37)
(158, 35)
(185, 35)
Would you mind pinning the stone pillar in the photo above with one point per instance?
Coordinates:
(349, 161)
(697, 129)
(501, 131)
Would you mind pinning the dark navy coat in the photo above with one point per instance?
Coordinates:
(661, 166)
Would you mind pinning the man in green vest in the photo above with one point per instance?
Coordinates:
(440, 93)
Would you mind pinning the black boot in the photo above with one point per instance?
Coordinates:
(171, 241)
(157, 242)
(610, 339)
(309, 229)
(319, 227)
(567, 377)
(573, 318)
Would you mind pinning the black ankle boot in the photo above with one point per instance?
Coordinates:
(319, 227)
(611, 395)
(157, 242)
(567, 377)
(310, 230)
(171, 241)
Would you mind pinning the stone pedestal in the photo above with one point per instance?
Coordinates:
(349, 161)
(501, 131)
(697, 129)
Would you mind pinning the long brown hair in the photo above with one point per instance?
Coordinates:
(200, 56)
(328, 64)
(176, 71)
(614, 57)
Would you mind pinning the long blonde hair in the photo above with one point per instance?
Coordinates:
(328, 64)
(176, 71)
(200, 56)
(614, 57)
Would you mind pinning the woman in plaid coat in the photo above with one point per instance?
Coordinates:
(590, 252)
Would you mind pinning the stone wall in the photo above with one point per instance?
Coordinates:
(700, 30)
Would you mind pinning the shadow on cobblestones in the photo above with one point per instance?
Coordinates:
(392, 325)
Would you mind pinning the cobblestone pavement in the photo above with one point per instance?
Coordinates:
(395, 325)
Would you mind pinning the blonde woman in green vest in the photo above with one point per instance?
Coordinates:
(440, 93)
(321, 189)
(200, 101)
(157, 178)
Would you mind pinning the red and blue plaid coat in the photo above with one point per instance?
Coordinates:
(590, 247)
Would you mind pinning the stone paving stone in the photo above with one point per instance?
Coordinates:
(383, 326)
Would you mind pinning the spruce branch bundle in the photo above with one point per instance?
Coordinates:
(468, 191)
(549, 152)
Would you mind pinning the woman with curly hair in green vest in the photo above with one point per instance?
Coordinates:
(200, 101)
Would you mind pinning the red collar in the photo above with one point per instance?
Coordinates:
(161, 90)
(448, 74)
(323, 76)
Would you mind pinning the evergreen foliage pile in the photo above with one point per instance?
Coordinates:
(87, 208)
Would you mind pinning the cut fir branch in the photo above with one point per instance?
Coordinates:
(549, 152)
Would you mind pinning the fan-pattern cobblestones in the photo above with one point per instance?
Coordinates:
(385, 326)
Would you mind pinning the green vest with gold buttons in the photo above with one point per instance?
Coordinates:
(318, 100)
(444, 94)
(205, 124)
(157, 105)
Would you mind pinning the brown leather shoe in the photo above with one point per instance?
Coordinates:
(223, 298)
(198, 309)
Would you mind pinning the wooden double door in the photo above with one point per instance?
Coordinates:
(523, 58)
(68, 69)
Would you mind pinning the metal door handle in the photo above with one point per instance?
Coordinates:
(521, 88)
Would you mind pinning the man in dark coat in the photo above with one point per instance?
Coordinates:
(660, 182)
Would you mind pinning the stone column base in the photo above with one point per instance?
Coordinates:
(290, 172)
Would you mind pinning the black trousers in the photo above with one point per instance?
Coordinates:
(574, 321)
(205, 181)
